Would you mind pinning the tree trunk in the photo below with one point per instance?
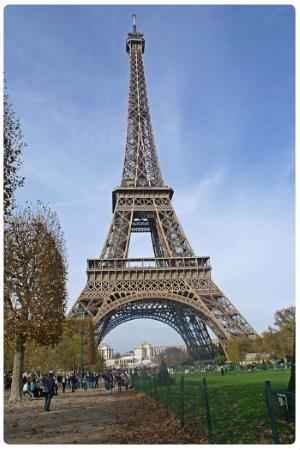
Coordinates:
(291, 386)
(17, 377)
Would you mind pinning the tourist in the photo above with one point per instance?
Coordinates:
(222, 371)
(72, 382)
(40, 387)
(119, 382)
(92, 381)
(129, 375)
(84, 383)
(55, 387)
(105, 378)
(26, 389)
(124, 379)
(63, 384)
(111, 382)
(34, 387)
(108, 381)
(59, 379)
(48, 389)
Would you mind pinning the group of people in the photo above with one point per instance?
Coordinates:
(48, 385)
(33, 386)
(119, 379)
(90, 381)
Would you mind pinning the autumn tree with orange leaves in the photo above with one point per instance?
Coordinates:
(35, 274)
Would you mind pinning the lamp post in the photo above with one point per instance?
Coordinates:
(81, 350)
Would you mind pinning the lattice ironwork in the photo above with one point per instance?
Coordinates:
(181, 319)
(175, 286)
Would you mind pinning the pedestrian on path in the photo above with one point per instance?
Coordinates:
(63, 383)
(26, 389)
(48, 389)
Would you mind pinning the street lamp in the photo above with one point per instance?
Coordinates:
(81, 350)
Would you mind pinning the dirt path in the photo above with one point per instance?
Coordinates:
(93, 417)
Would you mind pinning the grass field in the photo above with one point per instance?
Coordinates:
(237, 404)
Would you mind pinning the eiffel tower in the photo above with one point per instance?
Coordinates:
(175, 286)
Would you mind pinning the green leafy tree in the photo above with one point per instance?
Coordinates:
(238, 347)
(163, 374)
(65, 355)
(175, 356)
(219, 360)
(279, 343)
(143, 373)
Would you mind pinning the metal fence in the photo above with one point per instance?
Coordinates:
(257, 415)
(281, 410)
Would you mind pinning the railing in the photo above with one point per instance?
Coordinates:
(148, 263)
(228, 415)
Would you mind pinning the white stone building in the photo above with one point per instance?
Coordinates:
(142, 355)
(105, 351)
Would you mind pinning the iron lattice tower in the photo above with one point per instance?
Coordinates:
(175, 286)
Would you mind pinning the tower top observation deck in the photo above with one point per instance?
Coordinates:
(134, 38)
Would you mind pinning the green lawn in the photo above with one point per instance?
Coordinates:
(237, 405)
(278, 378)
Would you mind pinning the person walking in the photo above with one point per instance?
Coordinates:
(63, 383)
(55, 392)
(84, 383)
(26, 389)
(119, 382)
(48, 389)
(73, 382)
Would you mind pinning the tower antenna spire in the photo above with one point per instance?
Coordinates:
(134, 22)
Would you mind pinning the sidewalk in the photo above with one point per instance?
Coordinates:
(93, 417)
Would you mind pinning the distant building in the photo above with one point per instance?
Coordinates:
(143, 351)
(251, 358)
(105, 351)
(142, 355)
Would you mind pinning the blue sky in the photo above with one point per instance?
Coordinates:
(221, 91)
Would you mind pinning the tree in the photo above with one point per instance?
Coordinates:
(65, 355)
(13, 146)
(38, 358)
(175, 356)
(238, 347)
(34, 283)
(279, 343)
(219, 360)
(285, 316)
(292, 380)
(163, 374)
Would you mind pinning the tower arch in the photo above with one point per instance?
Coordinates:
(180, 317)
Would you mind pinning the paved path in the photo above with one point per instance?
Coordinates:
(92, 417)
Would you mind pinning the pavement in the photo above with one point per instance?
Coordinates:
(93, 417)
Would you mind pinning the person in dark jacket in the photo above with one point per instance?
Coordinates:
(48, 389)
